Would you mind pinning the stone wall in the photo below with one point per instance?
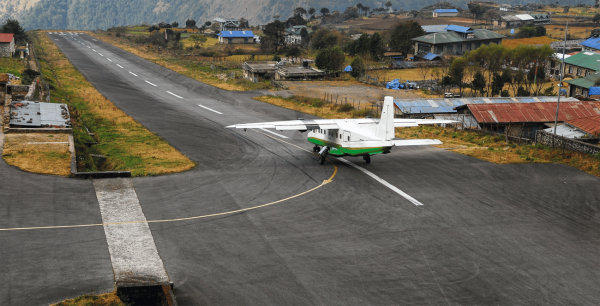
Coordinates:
(556, 141)
(7, 49)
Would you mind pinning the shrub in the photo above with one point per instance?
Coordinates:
(521, 92)
(504, 93)
(346, 107)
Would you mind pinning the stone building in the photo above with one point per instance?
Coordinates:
(7, 44)
(455, 41)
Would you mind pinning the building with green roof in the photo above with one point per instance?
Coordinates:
(582, 64)
(581, 86)
(455, 41)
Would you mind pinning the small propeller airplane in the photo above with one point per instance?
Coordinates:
(352, 137)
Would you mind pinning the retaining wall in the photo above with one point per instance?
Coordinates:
(557, 141)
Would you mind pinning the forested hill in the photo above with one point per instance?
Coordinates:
(101, 14)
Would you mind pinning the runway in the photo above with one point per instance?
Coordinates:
(485, 234)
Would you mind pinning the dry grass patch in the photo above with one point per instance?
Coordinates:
(108, 299)
(39, 153)
(542, 40)
(495, 148)
(316, 107)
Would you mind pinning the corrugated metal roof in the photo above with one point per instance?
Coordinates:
(592, 42)
(459, 29)
(587, 59)
(6, 37)
(532, 112)
(446, 106)
(434, 28)
(430, 56)
(588, 124)
(524, 16)
(451, 36)
(445, 10)
(565, 131)
(236, 34)
(586, 82)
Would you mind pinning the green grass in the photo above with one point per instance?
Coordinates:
(12, 65)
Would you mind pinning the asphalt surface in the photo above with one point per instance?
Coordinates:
(486, 235)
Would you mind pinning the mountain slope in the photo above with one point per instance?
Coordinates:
(93, 14)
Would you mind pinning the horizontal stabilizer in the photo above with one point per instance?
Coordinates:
(416, 142)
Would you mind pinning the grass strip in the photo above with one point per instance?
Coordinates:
(108, 299)
(127, 145)
(317, 107)
(39, 153)
(191, 66)
(495, 149)
(12, 65)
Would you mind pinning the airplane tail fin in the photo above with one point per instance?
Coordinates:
(385, 128)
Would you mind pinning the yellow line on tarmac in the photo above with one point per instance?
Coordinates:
(325, 182)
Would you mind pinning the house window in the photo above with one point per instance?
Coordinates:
(245, 40)
(587, 72)
(578, 71)
(570, 69)
(229, 40)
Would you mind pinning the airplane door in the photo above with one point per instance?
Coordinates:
(346, 136)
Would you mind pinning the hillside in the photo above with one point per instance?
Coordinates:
(88, 14)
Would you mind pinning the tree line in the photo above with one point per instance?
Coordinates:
(490, 67)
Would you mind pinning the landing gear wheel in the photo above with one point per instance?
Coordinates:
(367, 158)
(322, 159)
(316, 149)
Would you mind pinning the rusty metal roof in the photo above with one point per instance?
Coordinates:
(6, 37)
(590, 124)
(533, 112)
(4, 79)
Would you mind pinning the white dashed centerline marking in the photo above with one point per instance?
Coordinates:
(94, 50)
(133, 73)
(109, 59)
(174, 95)
(382, 181)
(100, 54)
(210, 109)
(88, 47)
(119, 66)
(276, 134)
(150, 83)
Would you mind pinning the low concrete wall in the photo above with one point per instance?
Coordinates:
(39, 130)
(102, 174)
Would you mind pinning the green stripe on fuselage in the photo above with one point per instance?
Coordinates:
(336, 149)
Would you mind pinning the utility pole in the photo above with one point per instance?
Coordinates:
(562, 72)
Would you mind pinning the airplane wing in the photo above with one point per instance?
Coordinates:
(416, 122)
(290, 125)
(330, 124)
(392, 143)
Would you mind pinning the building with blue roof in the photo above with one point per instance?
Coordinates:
(591, 44)
(445, 12)
(236, 37)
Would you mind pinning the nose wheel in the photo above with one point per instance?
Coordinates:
(316, 149)
(367, 158)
